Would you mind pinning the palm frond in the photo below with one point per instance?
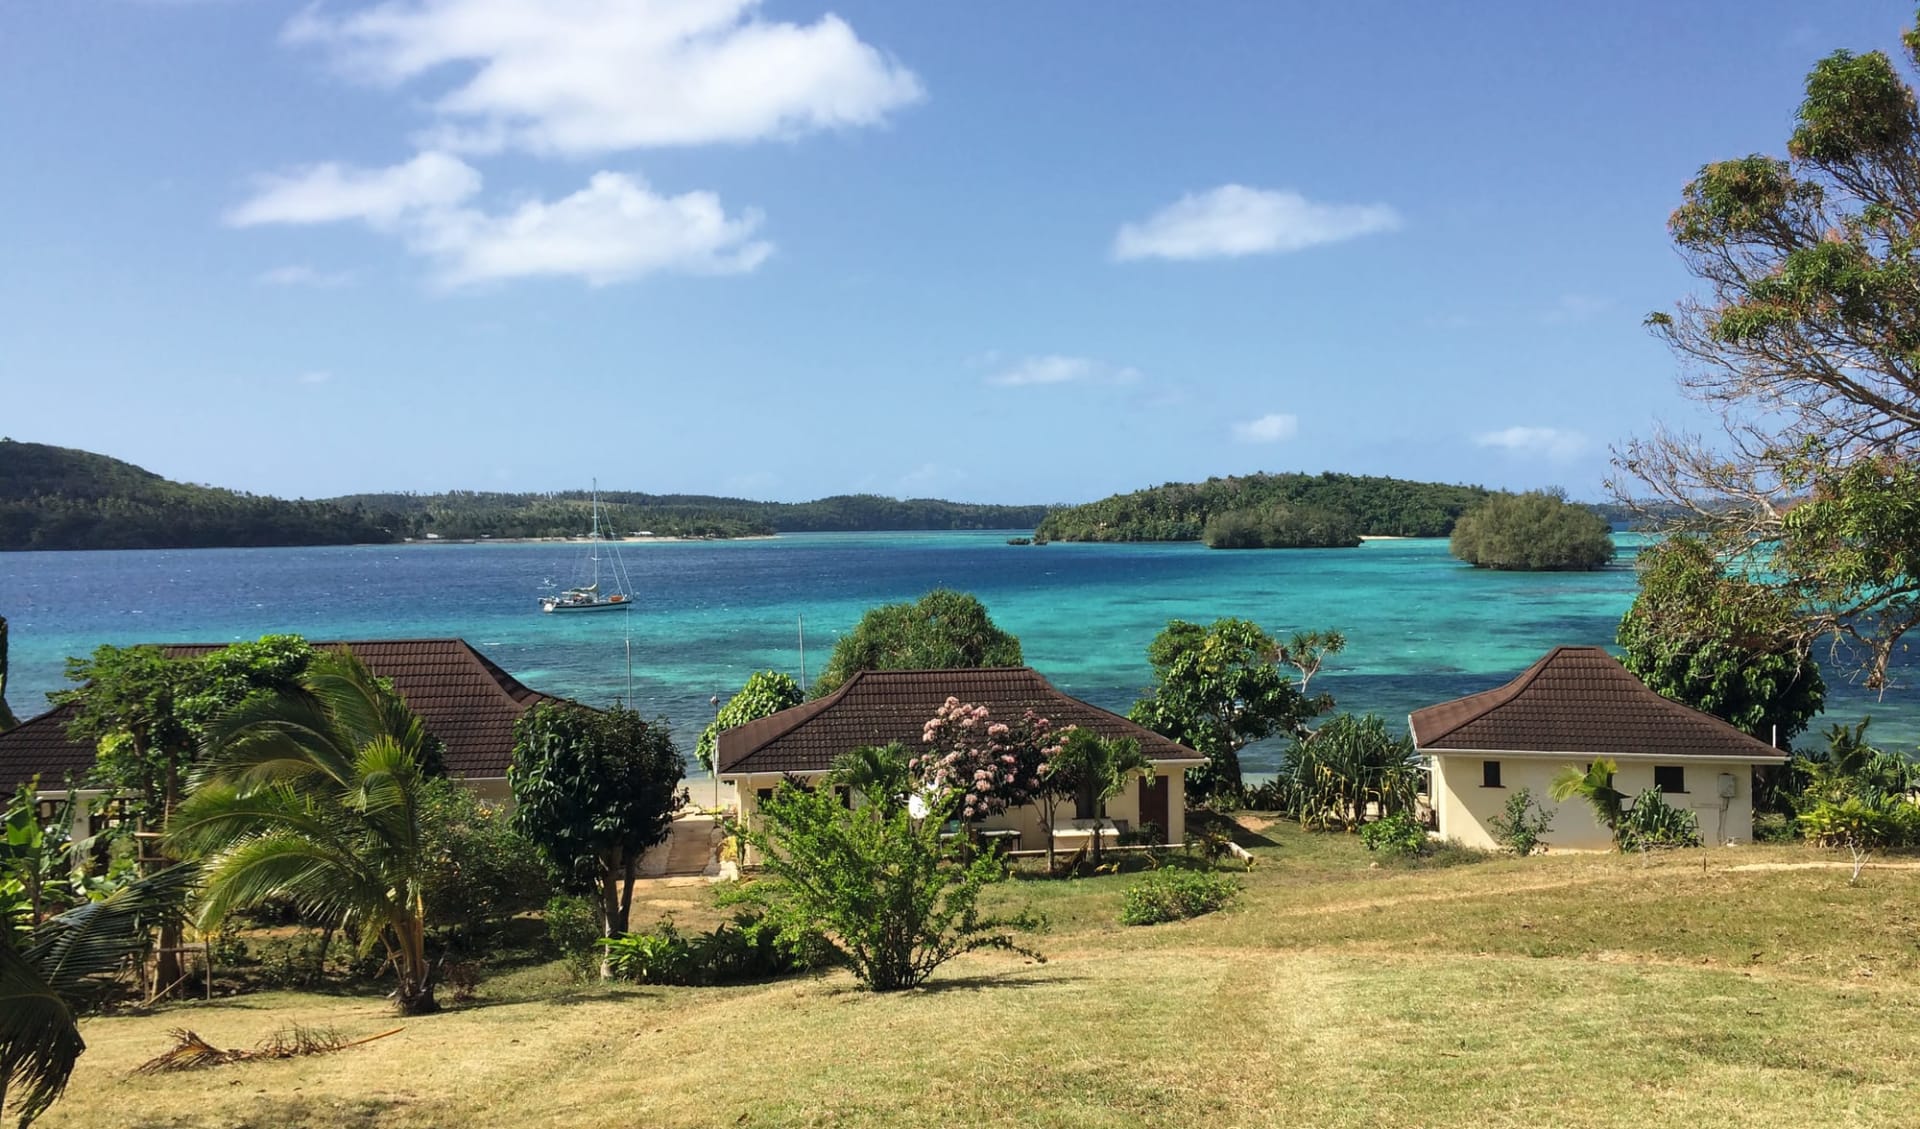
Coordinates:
(39, 1042)
(327, 881)
(73, 951)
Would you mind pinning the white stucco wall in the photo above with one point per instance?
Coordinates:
(1462, 805)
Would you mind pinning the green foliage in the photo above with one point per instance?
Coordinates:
(1281, 527)
(1595, 786)
(1523, 823)
(942, 630)
(1539, 531)
(1219, 687)
(766, 693)
(1330, 776)
(751, 947)
(1100, 766)
(313, 796)
(1859, 795)
(1395, 836)
(7, 720)
(1652, 824)
(1805, 339)
(573, 930)
(1862, 823)
(480, 869)
(1722, 643)
(897, 898)
(593, 790)
(1180, 511)
(1175, 894)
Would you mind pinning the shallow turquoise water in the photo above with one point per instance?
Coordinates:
(1421, 627)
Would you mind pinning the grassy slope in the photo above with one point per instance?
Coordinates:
(1577, 991)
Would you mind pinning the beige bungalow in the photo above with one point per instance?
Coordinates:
(877, 707)
(1577, 705)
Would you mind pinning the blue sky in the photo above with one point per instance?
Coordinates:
(992, 251)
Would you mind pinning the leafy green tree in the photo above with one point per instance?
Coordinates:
(1522, 824)
(1219, 687)
(480, 870)
(1281, 526)
(1098, 767)
(766, 693)
(1722, 643)
(1595, 787)
(314, 796)
(896, 897)
(942, 630)
(1806, 343)
(7, 720)
(53, 971)
(1539, 531)
(593, 790)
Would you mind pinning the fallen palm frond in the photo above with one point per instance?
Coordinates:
(191, 1052)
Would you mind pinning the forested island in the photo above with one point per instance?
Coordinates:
(1270, 511)
(61, 498)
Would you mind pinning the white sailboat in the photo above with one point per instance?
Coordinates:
(588, 597)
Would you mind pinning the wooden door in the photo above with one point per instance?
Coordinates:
(1153, 803)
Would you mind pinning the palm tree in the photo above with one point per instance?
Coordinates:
(1595, 786)
(314, 796)
(1099, 766)
(50, 972)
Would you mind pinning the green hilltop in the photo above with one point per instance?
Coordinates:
(1318, 509)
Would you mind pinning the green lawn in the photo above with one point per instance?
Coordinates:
(1567, 990)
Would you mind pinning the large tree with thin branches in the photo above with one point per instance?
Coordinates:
(1806, 343)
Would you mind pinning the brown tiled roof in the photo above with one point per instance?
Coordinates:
(1581, 700)
(465, 700)
(876, 707)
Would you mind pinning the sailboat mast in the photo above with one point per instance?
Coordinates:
(594, 537)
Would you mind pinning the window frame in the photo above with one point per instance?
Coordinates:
(1490, 774)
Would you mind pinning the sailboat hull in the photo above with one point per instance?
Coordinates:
(555, 606)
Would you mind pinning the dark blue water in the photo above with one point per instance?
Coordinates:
(1421, 627)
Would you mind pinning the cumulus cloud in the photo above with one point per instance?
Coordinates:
(614, 229)
(1029, 371)
(329, 192)
(1234, 220)
(594, 76)
(1273, 427)
(1549, 442)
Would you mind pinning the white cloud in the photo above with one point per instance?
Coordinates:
(317, 376)
(300, 275)
(1062, 370)
(595, 76)
(1551, 442)
(1270, 428)
(614, 229)
(1235, 220)
(329, 192)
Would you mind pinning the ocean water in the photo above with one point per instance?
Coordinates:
(1420, 627)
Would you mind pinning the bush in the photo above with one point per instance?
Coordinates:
(751, 947)
(1175, 895)
(1537, 531)
(1331, 776)
(1522, 825)
(481, 871)
(1396, 836)
(1891, 822)
(573, 929)
(1653, 824)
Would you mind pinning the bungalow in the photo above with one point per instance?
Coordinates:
(462, 697)
(1577, 705)
(877, 707)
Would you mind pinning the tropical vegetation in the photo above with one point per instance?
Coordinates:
(1539, 531)
(942, 630)
(1349, 770)
(1179, 511)
(766, 693)
(1281, 526)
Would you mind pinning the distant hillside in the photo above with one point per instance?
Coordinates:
(59, 498)
(463, 514)
(1179, 511)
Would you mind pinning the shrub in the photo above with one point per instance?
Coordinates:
(480, 870)
(1396, 836)
(1175, 895)
(751, 947)
(1536, 531)
(1891, 822)
(897, 897)
(573, 929)
(1652, 824)
(1522, 825)
(1332, 775)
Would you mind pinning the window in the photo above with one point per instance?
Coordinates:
(1670, 778)
(763, 794)
(1083, 801)
(1490, 774)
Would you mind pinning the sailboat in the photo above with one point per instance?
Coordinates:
(588, 597)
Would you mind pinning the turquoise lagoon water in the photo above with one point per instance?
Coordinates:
(1421, 627)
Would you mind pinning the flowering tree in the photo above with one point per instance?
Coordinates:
(988, 765)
